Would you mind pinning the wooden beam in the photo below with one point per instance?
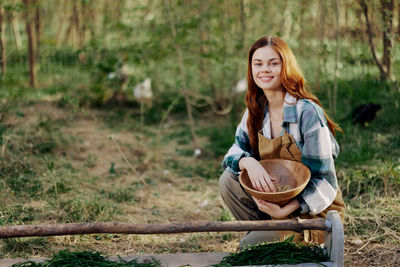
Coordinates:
(167, 228)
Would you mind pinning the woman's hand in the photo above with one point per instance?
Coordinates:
(259, 178)
(276, 211)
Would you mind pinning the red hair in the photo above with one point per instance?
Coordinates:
(292, 81)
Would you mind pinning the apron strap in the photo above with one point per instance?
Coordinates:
(289, 148)
(286, 140)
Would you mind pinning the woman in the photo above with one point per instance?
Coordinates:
(282, 120)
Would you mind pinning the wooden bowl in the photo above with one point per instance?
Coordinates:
(289, 173)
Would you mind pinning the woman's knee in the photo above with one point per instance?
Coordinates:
(225, 182)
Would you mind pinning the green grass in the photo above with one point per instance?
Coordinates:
(18, 214)
(220, 138)
(87, 210)
(24, 247)
(122, 194)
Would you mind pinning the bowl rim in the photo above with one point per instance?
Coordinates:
(272, 193)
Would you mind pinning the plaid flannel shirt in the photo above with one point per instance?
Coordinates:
(305, 121)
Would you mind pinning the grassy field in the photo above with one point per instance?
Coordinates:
(60, 165)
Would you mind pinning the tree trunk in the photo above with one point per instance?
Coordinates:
(334, 93)
(106, 14)
(302, 31)
(371, 43)
(90, 25)
(219, 93)
(398, 20)
(287, 20)
(38, 28)
(387, 9)
(63, 8)
(242, 37)
(75, 8)
(73, 28)
(117, 10)
(346, 13)
(321, 33)
(3, 57)
(15, 28)
(242, 24)
(30, 33)
(97, 15)
(204, 67)
(82, 28)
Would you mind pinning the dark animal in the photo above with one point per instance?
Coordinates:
(365, 113)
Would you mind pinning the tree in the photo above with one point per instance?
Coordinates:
(387, 8)
(62, 10)
(303, 9)
(73, 28)
(38, 27)
(334, 93)
(321, 37)
(3, 58)
(31, 42)
(15, 27)
(398, 19)
(185, 93)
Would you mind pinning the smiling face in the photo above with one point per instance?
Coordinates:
(266, 66)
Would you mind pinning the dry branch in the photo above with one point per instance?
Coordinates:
(167, 228)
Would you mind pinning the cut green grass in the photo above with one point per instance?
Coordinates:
(285, 252)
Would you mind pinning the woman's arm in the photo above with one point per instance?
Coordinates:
(259, 177)
(276, 211)
(318, 153)
(241, 148)
(240, 157)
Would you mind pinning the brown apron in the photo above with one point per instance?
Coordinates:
(284, 147)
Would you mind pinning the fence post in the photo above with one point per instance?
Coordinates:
(334, 238)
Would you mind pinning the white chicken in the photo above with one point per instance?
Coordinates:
(142, 92)
(241, 86)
